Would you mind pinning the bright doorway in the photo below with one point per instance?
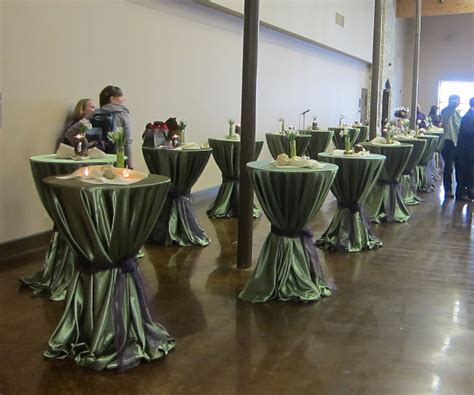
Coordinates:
(464, 89)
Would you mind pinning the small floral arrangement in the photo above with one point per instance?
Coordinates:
(291, 134)
(388, 132)
(182, 125)
(117, 137)
(345, 133)
(314, 125)
(341, 117)
(402, 112)
(232, 135)
(85, 125)
(428, 122)
(282, 126)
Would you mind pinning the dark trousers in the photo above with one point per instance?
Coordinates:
(464, 168)
(450, 161)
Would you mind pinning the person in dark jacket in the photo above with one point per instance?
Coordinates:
(112, 102)
(465, 154)
(435, 117)
(420, 117)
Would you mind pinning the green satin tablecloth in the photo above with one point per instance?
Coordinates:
(226, 153)
(319, 142)
(350, 229)
(408, 182)
(287, 268)
(385, 202)
(424, 172)
(279, 144)
(437, 162)
(338, 140)
(363, 134)
(106, 322)
(58, 266)
(177, 222)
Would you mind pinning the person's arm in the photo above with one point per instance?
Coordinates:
(123, 121)
(72, 131)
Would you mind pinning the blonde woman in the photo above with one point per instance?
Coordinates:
(83, 111)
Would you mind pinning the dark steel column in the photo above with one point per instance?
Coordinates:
(247, 137)
(416, 65)
(374, 90)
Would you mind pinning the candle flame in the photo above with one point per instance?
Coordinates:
(86, 171)
(126, 173)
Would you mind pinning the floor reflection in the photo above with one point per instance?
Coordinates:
(175, 295)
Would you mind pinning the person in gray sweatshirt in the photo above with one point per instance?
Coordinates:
(451, 121)
(112, 101)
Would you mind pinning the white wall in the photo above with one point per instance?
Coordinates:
(170, 57)
(316, 20)
(401, 77)
(447, 53)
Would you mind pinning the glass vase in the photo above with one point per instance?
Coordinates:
(292, 148)
(120, 157)
(347, 144)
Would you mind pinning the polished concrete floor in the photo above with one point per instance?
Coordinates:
(400, 322)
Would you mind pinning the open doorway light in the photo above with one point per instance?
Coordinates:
(464, 89)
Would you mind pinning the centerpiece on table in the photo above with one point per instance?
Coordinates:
(388, 132)
(282, 125)
(176, 134)
(118, 138)
(341, 117)
(314, 125)
(155, 134)
(402, 112)
(291, 134)
(80, 140)
(232, 135)
(344, 132)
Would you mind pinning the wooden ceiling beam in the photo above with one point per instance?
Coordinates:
(406, 8)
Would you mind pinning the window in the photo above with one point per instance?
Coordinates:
(464, 89)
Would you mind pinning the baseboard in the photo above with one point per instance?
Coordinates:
(25, 245)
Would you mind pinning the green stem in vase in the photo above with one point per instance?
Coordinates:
(120, 157)
(292, 148)
(347, 143)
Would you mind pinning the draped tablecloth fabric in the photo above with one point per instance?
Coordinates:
(279, 144)
(385, 202)
(363, 134)
(106, 322)
(350, 229)
(287, 268)
(319, 142)
(437, 160)
(425, 177)
(58, 266)
(408, 182)
(226, 153)
(339, 141)
(178, 222)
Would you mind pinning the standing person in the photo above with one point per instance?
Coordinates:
(451, 121)
(435, 117)
(112, 106)
(83, 111)
(465, 154)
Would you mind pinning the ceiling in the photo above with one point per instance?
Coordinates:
(406, 8)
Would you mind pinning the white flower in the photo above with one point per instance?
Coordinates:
(344, 132)
(86, 123)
